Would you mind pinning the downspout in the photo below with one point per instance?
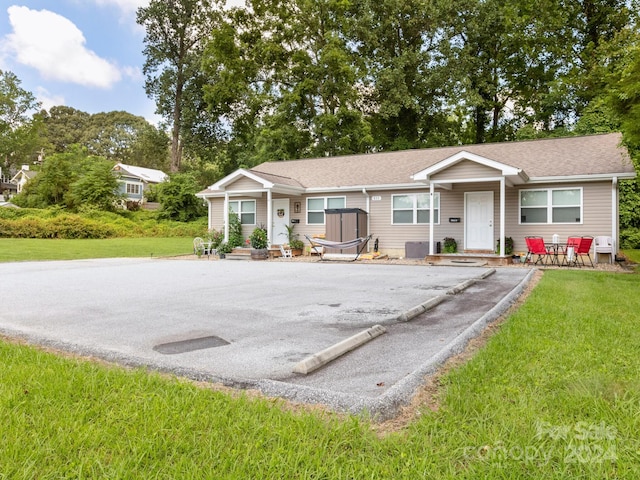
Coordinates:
(225, 212)
(431, 212)
(502, 215)
(615, 217)
(368, 207)
(269, 217)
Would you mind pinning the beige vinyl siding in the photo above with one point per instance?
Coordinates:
(596, 215)
(244, 184)
(352, 200)
(466, 169)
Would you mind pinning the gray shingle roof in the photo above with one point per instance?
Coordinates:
(587, 155)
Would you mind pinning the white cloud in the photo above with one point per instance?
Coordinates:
(48, 100)
(127, 6)
(55, 47)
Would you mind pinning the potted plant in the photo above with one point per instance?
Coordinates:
(508, 246)
(296, 245)
(258, 241)
(450, 245)
(223, 249)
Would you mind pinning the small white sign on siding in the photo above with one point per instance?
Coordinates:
(376, 198)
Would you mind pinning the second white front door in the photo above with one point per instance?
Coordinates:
(478, 221)
(280, 217)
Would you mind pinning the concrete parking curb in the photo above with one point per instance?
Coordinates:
(323, 357)
(429, 304)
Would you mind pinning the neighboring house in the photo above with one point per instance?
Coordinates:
(21, 178)
(476, 194)
(135, 181)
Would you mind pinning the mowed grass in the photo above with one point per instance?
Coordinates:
(555, 393)
(22, 249)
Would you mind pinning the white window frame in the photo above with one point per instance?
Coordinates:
(549, 206)
(415, 208)
(129, 186)
(326, 201)
(240, 210)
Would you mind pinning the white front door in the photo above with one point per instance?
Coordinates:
(280, 217)
(478, 221)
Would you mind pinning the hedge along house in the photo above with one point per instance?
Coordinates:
(476, 194)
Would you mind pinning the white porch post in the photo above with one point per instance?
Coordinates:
(502, 215)
(225, 213)
(615, 219)
(269, 217)
(431, 196)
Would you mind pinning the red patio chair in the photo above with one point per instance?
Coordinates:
(570, 251)
(584, 248)
(536, 246)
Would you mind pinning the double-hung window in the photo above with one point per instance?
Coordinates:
(317, 205)
(245, 209)
(413, 209)
(553, 205)
(133, 189)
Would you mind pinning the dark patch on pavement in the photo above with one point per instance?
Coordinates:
(190, 345)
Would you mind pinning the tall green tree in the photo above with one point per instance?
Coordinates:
(96, 186)
(64, 126)
(405, 85)
(118, 136)
(284, 77)
(19, 141)
(176, 32)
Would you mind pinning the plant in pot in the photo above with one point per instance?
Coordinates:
(223, 249)
(508, 246)
(450, 245)
(296, 245)
(258, 241)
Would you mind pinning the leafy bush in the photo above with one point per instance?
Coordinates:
(630, 238)
(224, 247)
(178, 199)
(258, 238)
(91, 223)
(215, 237)
(508, 246)
(450, 245)
(235, 230)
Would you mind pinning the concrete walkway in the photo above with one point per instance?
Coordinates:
(248, 324)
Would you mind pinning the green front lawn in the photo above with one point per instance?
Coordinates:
(554, 394)
(20, 249)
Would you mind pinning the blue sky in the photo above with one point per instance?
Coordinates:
(86, 54)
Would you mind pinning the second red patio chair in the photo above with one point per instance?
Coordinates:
(584, 249)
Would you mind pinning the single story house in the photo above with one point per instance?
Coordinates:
(476, 194)
(135, 181)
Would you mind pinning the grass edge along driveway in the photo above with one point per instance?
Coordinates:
(24, 249)
(554, 394)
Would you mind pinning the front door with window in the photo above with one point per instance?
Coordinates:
(280, 217)
(478, 221)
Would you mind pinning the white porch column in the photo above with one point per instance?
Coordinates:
(431, 197)
(225, 213)
(502, 215)
(615, 218)
(269, 217)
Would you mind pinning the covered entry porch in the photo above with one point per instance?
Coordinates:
(474, 193)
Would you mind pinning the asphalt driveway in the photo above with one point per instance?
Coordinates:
(247, 324)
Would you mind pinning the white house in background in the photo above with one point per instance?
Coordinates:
(21, 178)
(135, 181)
